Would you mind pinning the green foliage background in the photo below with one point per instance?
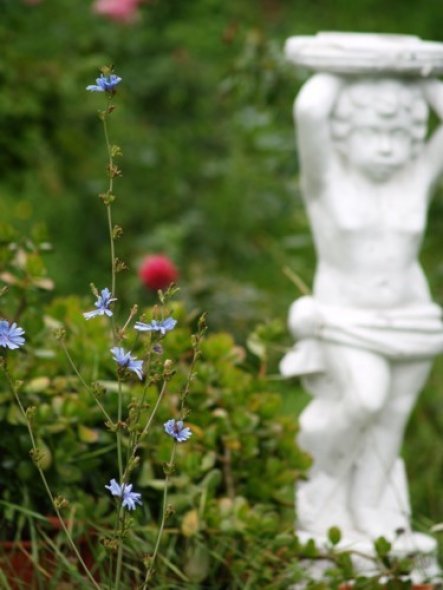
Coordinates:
(210, 173)
(210, 169)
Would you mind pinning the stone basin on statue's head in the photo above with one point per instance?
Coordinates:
(366, 53)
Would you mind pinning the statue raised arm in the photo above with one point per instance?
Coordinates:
(312, 111)
(433, 152)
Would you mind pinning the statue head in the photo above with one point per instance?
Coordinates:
(379, 125)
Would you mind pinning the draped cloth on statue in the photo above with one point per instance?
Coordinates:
(403, 333)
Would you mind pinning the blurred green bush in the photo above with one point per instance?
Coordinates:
(233, 490)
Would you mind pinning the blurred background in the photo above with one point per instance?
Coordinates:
(204, 122)
(210, 172)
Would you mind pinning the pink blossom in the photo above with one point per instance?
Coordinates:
(123, 11)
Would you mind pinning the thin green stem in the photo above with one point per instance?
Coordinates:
(113, 281)
(108, 143)
(187, 386)
(119, 434)
(150, 570)
(154, 411)
(83, 382)
(132, 313)
(45, 482)
(115, 336)
(111, 240)
(118, 569)
(134, 434)
(145, 429)
(108, 206)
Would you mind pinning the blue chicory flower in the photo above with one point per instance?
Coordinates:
(129, 498)
(11, 335)
(177, 430)
(161, 326)
(105, 84)
(102, 304)
(125, 359)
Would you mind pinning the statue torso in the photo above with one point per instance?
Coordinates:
(368, 236)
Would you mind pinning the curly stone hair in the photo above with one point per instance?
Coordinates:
(385, 97)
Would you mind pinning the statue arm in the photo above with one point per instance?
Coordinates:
(312, 110)
(433, 94)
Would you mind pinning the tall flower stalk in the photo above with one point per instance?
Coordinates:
(155, 330)
(107, 83)
(113, 172)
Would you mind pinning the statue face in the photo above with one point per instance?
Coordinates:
(377, 145)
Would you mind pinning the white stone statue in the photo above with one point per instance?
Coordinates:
(366, 337)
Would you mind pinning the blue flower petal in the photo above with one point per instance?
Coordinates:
(105, 84)
(129, 498)
(177, 430)
(161, 326)
(11, 335)
(102, 304)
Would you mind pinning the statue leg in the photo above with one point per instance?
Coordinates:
(347, 398)
(375, 476)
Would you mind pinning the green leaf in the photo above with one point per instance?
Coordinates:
(157, 484)
(212, 479)
(344, 562)
(208, 461)
(310, 549)
(23, 510)
(334, 535)
(87, 435)
(197, 563)
(382, 547)
(256, 346)
(37, 385)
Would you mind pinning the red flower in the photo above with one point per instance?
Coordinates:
(157, 272)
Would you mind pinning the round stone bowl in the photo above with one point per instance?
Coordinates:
(366, 54)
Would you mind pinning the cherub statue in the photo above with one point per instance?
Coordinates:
(366, 337)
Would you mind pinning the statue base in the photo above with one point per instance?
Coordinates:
(419, 548)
